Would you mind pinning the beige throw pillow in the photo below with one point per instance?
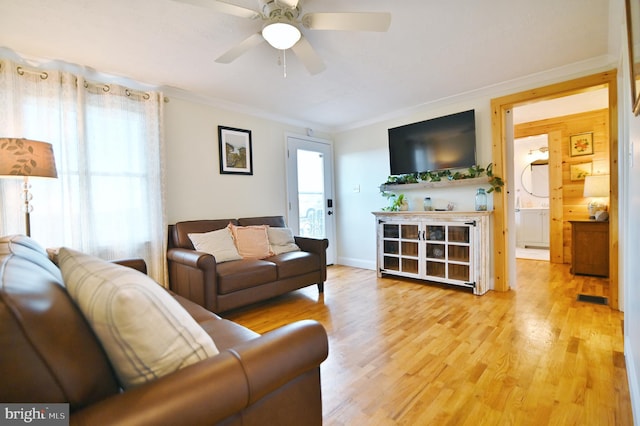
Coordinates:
(252, 241)
(282, 240)
(218, 243)
(145, 332)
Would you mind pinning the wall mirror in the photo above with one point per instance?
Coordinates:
(535, 178)
(632, 8)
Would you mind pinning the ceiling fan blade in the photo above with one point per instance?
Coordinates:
(233, 53)
(224, 7)
(290, 3)
(308, 56)
(348, 21)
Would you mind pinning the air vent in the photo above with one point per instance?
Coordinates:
(598, 300)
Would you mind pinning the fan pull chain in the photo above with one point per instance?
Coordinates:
(284, 63)
(282, 60)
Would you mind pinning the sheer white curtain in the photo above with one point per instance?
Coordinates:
(107, 140)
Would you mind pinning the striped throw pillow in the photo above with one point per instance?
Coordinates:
(145, 332)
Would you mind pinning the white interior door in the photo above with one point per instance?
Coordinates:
(310, 189)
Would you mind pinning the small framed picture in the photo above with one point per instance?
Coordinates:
(581, 144)
(236, 155)
(580, 171)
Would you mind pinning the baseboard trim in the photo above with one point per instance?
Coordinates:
(634, 381)
(357, 263)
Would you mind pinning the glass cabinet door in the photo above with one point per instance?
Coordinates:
(448, 253)
(435, 238)
(401, 248)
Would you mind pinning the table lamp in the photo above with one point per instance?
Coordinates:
(597, 188)
(25, 158)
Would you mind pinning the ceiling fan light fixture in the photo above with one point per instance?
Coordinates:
(281, 35)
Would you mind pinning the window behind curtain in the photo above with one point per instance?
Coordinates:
(107, 200)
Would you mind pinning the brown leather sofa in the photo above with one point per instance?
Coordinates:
(224, 286)
(49, 354)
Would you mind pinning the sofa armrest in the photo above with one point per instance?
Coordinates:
(312, 245)
(214, 389)
(192, 274)
(203, 393)
(191, 258)
(137, 264)
(317, 246)
(279, 356)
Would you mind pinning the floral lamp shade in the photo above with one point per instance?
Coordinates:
(24, 157)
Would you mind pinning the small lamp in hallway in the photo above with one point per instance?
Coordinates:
(597, 188)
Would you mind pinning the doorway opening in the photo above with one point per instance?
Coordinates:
(531, 183)
(504, 257)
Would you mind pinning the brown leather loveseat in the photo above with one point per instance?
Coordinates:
(50, 354)
(224, 286)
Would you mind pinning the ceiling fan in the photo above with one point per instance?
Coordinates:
(281, 27)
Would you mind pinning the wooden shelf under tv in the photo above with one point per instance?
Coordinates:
(448, 183)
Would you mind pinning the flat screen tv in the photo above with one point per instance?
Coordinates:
(441, 143)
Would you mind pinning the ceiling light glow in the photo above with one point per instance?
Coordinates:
(281, 35)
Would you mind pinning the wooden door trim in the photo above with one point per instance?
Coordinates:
(499, 107)
(556, 212)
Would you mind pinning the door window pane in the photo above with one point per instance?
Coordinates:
(311, 193)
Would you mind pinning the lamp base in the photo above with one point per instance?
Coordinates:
(27, 207)
(594, 207)
(27, 224)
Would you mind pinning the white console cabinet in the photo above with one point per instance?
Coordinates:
(446, 247)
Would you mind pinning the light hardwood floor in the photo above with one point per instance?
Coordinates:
(412, 354)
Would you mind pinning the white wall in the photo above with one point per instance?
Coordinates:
(629, 260)
(629, 235)
(362, 159)
(629, 225)
(195, 187)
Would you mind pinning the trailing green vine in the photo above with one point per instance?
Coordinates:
(395, 201)
(496, 182)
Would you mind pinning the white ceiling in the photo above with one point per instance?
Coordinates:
(574, 104)
(433, 50)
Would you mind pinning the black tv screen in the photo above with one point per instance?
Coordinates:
(441, 143)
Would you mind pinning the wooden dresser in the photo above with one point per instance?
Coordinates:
(590, 248)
